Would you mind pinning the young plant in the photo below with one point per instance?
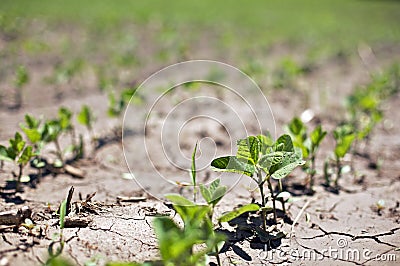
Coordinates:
(344, 137)
(53, 254)
(19, 153)
(309, 145)
(86, 118)
(197, 230)
(257, 155)
(21, 79)
(116, 107)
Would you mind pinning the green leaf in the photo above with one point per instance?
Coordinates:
(193, 169)
(65, 116)
(289, 162)
(63, 212)
(317, 135)
(179, 200)
(217, 195)
(235, 213)
(85, 117)
(266, 142)
(284, 143)
(4, 154)
(248, 149)
(205, 193)
(31, 122)
(17, 144)
(26, 155)
(214, 185)
(32, 134)
(233, 164)
(343, 145)
(296, 127)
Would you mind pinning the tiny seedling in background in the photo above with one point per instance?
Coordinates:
(86, 118)
(21, 79)
(117, 106)
(19, 153)
(344, 137)
(308, 144)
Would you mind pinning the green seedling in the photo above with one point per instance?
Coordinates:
(21, 79)
(19, 153)
(116, 107)
(308, 144)
(86, 118)
(53, 254)
(260, 154)
(193, 173)
(286, 73)
(344, 137)
(197, 230)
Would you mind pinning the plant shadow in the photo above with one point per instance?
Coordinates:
(247, 227)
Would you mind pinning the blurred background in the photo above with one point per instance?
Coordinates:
(105, 45)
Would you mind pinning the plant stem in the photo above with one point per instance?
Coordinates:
(19, 177)
(338, 171)
(217, 256)
(272, 196)
(282, 200)
(59, 152)
(261, 187)
(312, 172)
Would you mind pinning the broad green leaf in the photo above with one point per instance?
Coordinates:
(235, 213)
(296, 127)
(284, 143)
(179, 200)
(32, 134)
(233, 164)
(205, 192)
(214, 185)
(289, 163)
(63, 213)
(217, 195)
(271, 161)
(266, 143)
(248, 149)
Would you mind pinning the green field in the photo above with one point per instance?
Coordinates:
(335, 24)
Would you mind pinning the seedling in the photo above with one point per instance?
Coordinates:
(287, 72)
(116, 107)
(197, 229)
(258, 155)
(21, 79)
(86, 118)
(309, 145)
(53, 254)
(19, 153)
(344, 137)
